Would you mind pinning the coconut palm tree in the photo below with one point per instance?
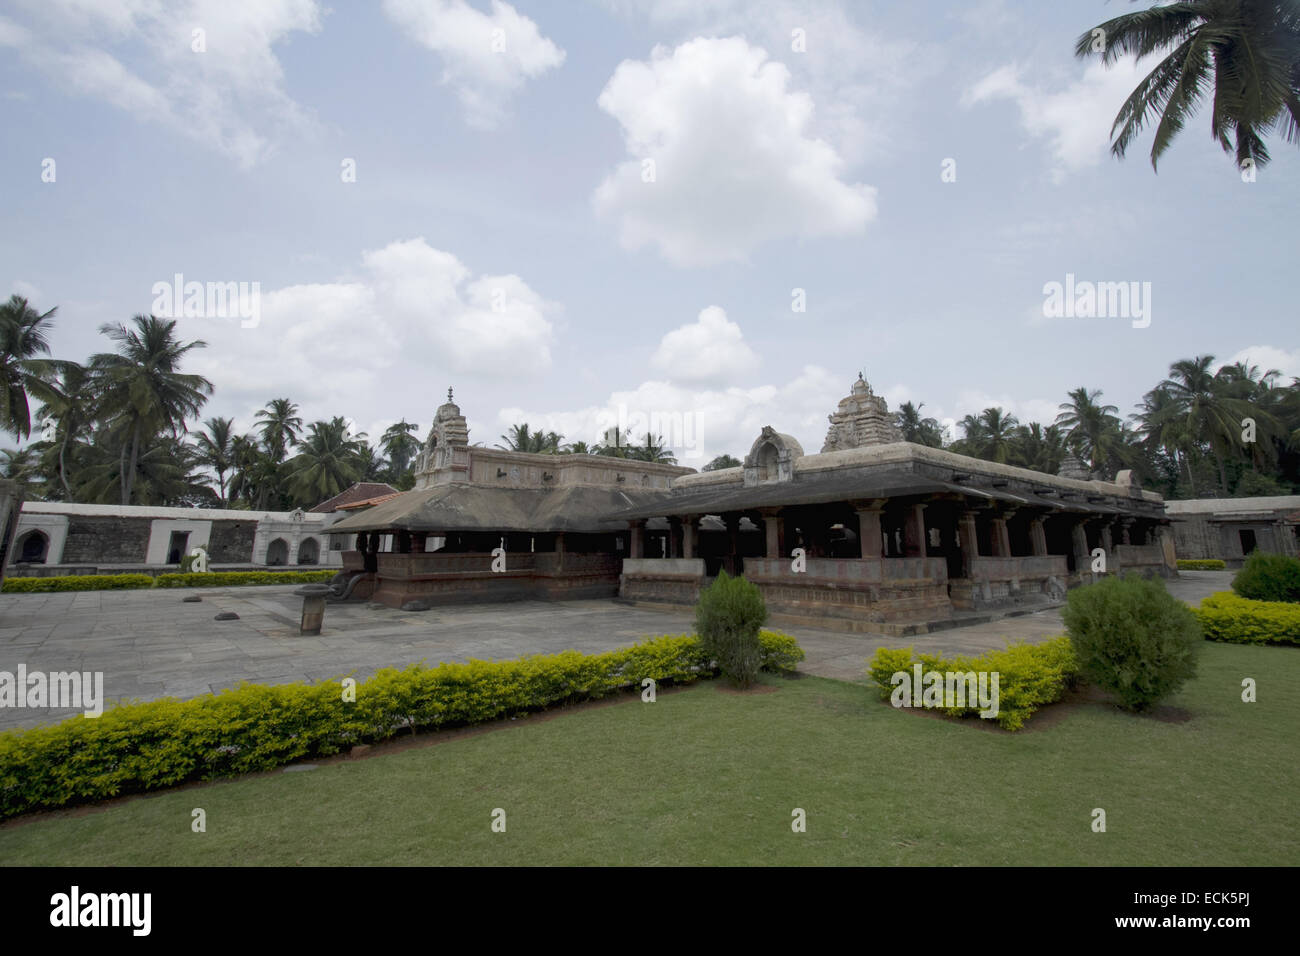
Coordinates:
(1038, 448)
(1243, 55)
(20, 465)
(328, 461)
(1089, 427)
(654, 450)
(214, 450)
(70, 409)
(401, 445)
(915, 428)
(144, 392)
(23, 337)
(522, 438)
(1211, 418)
(280, 426)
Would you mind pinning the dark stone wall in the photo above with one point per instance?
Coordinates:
(231, 541)
(104, 540)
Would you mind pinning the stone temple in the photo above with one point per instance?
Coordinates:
(871, 534)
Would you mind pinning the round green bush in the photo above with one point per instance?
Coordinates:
(1268, 577)
(728, 617)
(1133, 638)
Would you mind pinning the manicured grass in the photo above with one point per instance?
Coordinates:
(703, 777)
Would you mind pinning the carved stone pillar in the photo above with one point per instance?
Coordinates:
(914, 531)
(774, 528)
(969, 540)
(688, 535)
(869, 536)
(1037, 537)
(636, 542)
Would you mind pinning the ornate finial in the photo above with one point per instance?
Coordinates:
(449, 395)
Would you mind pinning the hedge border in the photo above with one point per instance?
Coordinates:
(120, 582)
(142, 746)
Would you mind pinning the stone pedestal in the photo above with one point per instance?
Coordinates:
(313, 607)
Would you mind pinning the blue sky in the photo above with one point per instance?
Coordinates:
(500, 235)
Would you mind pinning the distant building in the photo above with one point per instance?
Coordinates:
(1231, 528)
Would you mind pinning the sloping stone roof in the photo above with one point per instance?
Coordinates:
(465, 507)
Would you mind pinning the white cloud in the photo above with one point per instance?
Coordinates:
(486, 58)
(230, 97)
(710, 350)
(1270, 357)
(733, 163)
(851, 70)
(699, 423)
(28, 291)
(414, 312)
(1075, 121)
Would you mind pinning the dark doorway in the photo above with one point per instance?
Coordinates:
(33, 548)
(1247, 540)
(278, 552)
(176, 547)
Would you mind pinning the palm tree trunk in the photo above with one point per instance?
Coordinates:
(63, 471)
(130, 476)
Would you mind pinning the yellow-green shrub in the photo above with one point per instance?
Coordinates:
(143, 746)
(77, 582)
(1029, 676)
(1200, 564)
(1237, 620)
(221, 579)
(779, 651)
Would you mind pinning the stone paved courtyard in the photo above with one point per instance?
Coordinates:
(150, 644)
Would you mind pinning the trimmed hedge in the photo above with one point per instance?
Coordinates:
(1029, 676)
(115, 582)
(217, 579)
(1231, 619)
(77, 582)
(1200, 564)
(144, 746)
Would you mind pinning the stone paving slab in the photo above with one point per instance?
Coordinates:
(149, 644)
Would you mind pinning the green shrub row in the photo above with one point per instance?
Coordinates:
(1236, 620)
(77, 582)
(144, 746)
(216, 579)
(1268, 577)
(115, 582)
(1200, 564)
(1029, 676)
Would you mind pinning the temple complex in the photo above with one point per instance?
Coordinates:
(871, 534)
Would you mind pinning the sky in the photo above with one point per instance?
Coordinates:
(701, 216)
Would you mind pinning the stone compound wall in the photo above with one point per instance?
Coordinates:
(231, 542)
(104, 540)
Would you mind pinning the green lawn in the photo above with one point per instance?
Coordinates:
(702, 777)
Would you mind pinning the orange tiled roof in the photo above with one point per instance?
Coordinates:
(353, 505)
(361, 491)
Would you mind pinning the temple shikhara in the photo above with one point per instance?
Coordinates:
(871, 533)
